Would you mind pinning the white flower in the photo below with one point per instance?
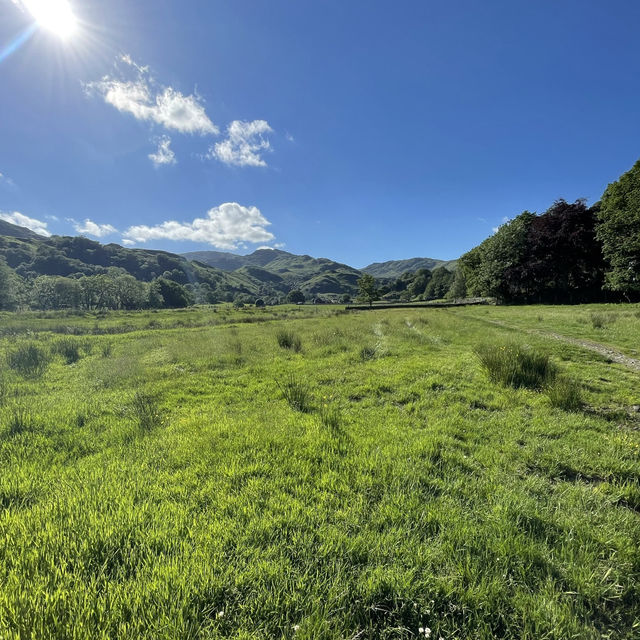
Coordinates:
(220, 614)
(296, 627)
(425, 631)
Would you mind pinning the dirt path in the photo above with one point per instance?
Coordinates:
(603, 350)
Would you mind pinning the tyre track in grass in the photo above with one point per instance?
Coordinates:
(607, 352)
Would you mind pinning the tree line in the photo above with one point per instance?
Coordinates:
(571, 253)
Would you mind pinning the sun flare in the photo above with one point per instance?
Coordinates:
(54, 15)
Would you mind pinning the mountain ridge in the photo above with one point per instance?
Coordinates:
(395, 268)
(266, 273)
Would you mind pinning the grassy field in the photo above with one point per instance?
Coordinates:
(304, 473)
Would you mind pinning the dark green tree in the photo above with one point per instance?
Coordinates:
(494, 268)
(440, 283)
(174, 295)
(295, 296)
(458, 289)
(9, 285)
(619, 232)
(368, 291)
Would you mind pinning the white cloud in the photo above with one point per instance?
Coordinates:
(91, 228)
(164, 155)
(21, 220)
(146, 100)
(224, 227)
(245, 141)
(127, 242)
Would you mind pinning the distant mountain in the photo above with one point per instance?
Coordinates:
(31, 256)
(266, 273)
(395, 268)
(311, 275)
(14, 231)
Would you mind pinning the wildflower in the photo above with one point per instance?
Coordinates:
(425, 631)
(220, 614)
(296, 627)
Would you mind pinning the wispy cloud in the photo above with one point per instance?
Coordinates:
(6, 180)
(244, 143)
(145, 99)
(21, 220)
(164, 154)
(225, 227)
(88, 227)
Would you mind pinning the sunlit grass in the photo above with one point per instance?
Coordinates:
(168, 484)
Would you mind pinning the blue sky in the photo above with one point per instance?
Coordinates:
(357, 130)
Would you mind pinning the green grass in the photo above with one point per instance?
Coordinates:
(516, 365)
(168, 485)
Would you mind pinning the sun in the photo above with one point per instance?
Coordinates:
(54, 15)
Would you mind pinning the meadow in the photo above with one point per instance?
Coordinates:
(306, 473)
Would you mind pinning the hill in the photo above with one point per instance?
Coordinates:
(14, 231)
(395, 268)
(30, 257)
(267, 273)
(310, 275)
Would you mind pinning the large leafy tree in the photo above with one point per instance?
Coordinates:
(368, 291)
(495, 267)
(564, 259)
(619, 232)
(439, 284)
(8, 288)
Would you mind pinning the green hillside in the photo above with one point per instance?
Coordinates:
(311, 275)
(207, 276)
(8, 229)
(395, 268)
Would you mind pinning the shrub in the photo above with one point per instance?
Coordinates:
(68, 348)
(146, 411)
(565, 394)
(296, 394)
(516, 365)
(29, 359)
(289, 340)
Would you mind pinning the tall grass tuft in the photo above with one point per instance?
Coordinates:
(330, 416)
(4, 388)
(367, 353)
(516, 366)
(68, 348)
(296, 393)
(602, 320)
(289, 340)
(146, 411)
(106, 349)
(20, 420)
(565, 394)
(29, 359)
